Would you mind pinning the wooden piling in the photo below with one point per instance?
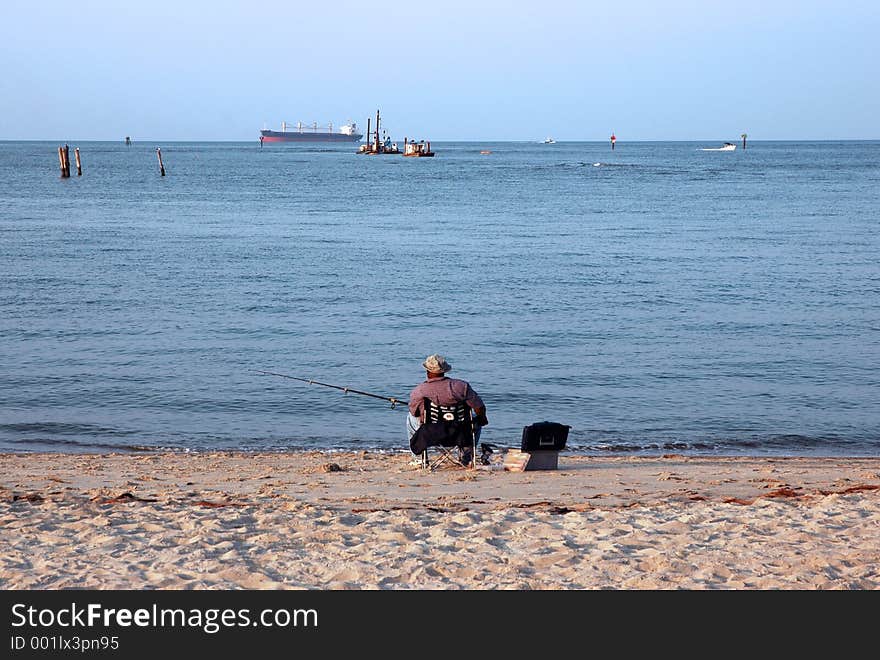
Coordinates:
(65, 161)
(61, 160)
(161, 165)
(79, 168)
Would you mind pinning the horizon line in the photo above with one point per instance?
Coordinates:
(519, 141)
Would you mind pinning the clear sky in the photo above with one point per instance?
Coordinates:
(442, 70)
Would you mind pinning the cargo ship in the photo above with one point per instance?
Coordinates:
(313, 133)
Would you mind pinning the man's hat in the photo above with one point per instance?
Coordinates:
(436, 364)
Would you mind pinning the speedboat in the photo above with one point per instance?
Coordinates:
(727, 146)
(549, 140)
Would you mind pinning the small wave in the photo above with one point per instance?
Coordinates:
(62, 428)
(621, 165)
(776, 445)
(635, 447)
(52, 444)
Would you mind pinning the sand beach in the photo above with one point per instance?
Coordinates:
(313, 520)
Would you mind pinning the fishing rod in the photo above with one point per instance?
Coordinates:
(394, 401)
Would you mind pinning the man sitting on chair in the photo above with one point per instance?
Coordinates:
(444, 392)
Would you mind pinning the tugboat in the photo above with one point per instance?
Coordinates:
(417, 149)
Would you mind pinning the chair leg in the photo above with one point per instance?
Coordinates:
(432, 465)
(447, 455)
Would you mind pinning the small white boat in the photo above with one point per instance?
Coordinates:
(727, 146)
(549, 140)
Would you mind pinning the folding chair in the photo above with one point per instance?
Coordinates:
(449, 432)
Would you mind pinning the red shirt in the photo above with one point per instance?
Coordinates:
(444, 392)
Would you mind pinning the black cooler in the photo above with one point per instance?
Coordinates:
(542, 442)
(544, 435)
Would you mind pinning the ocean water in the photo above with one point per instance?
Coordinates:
(656, 298)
